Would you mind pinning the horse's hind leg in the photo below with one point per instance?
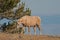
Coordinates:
(40, 29)
(35, 30)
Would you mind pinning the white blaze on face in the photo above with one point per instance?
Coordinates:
(20, 25)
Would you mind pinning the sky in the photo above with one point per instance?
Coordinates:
(49, 12)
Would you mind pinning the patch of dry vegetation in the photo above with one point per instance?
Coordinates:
(5, 36)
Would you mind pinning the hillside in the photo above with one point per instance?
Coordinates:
(5, 36)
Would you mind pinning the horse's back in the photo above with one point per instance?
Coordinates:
(31, 20)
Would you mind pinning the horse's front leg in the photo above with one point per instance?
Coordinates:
(22, 30)
(18, 28)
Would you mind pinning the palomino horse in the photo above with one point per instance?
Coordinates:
(30, 21)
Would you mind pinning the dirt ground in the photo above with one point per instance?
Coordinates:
(5, 36)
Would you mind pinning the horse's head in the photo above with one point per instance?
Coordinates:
(19, 23)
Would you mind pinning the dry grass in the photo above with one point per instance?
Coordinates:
(5, 36)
